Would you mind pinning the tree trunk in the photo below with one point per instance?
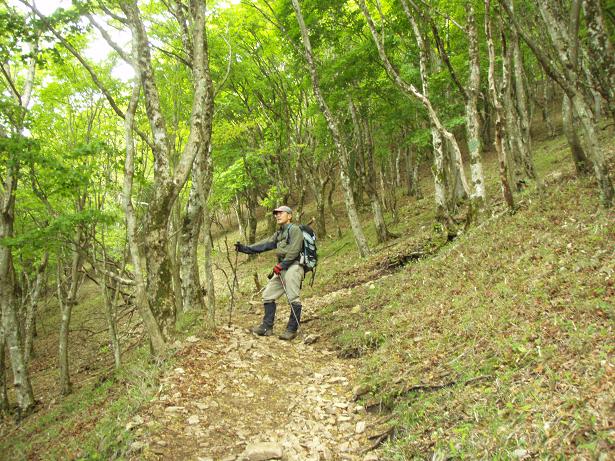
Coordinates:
(32, 308)
(167, 186)
(442, 211)
(156, 338)
(523, 111)
(358, 176)
(444, 203)
(397, 168)
(378, 200)
(570, 83)
(271, 224)
(68, 300)
(473, 128)
(499, 124)
(596, 155)
(190, 228)
(601, 52)
(443, 215)
(321, 225)
(21, 379)
(319, 190)
(10, 328)
(301, 202)
(332, 210)
(544, 108)
(210, 317)
(332, 124)
(581, 163)
(486, 115)
(456, 179)
(240, 220)
(205, 181)
(364, 144)
(158, 278)
(158, 287)
(4, 398)
(174, 256)
(459, 189)
(594, 97)
(159, 282)
(251, 205)
(511, 134)
(65, 314)
(110, 302)
(413, 186)
(570, 80)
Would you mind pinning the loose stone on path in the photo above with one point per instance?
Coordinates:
(241, 398)
(262, 452)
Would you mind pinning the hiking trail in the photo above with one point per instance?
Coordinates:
(242, 397)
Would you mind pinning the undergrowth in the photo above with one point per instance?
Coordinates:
(499, 346)
(89, 423)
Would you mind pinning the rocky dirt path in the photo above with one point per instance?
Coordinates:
(241, 397)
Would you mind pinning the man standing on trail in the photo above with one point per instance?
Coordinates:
(287, 273)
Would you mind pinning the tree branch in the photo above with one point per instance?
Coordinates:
(171, 54)
(111, 14)
(109, 40)
(447, 61)
(86, 66)
(9, 80)
(228, 67)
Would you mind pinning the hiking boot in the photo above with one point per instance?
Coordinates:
(266, 328)
(262, 330)
(295, 317)
(269, 314)
(288, 335)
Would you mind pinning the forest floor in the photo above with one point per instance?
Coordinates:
(497, 345)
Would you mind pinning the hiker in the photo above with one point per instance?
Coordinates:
(288, 242)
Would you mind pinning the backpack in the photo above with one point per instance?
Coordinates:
(309, 253)
(308, 257)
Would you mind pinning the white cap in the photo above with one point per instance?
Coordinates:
(283, 208)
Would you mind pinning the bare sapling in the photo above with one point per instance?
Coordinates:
(230, 279)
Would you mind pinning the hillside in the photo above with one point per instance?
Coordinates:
(497, 345)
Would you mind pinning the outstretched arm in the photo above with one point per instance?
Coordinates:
(264, 245)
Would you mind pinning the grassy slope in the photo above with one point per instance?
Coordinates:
(500, 346)
(521, 305)
(526, 303)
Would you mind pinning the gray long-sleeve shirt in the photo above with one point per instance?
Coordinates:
(287, 241)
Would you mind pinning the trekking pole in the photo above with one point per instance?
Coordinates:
(288, 299)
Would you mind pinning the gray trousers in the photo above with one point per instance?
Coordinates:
(292, 279)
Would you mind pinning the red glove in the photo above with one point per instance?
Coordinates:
(277, 269)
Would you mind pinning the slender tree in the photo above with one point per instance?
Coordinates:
(494, 91)
(473, 123)
(15, 146)
(333, 125)
(581, 163)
